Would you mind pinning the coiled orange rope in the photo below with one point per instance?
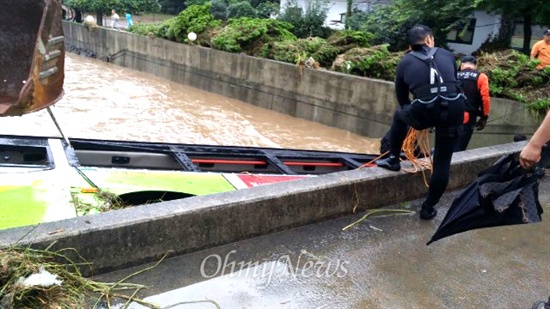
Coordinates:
(421, 140)
(414, 139)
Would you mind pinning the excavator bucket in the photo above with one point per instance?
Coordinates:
(32, 55)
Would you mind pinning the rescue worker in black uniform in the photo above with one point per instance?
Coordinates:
(475, 85)
(428, 73)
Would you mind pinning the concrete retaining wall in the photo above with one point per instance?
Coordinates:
(123, 238)
(356, 104)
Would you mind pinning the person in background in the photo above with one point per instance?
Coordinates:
(114, 19)
(129, 20)
(429, 73)
(530, 154)
(541, 50)
(478, 103)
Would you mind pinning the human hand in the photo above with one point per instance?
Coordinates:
(529, 156)
(481, 123)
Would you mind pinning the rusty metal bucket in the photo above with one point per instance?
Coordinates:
(32, 55)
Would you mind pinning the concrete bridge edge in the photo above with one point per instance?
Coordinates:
(133, 236)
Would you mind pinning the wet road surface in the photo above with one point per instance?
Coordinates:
(383, 262)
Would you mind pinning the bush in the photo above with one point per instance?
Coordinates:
(348, 39)
(196, 18)
(292, 50)
(376, 62)
(154, 29)
(250, 34)
(513, 75)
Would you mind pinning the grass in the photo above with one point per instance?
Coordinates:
(67, 288)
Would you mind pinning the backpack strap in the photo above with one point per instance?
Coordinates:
(435, 75)
(437, 86)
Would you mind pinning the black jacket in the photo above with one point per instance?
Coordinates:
(413, 73)
(468, 82)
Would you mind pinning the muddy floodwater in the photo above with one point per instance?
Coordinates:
(105, 101)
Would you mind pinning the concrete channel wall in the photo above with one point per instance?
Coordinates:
(133, 236)
(360, 105)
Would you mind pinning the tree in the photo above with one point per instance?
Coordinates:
(140, 6)
(101, 7)
(529, 11)
(241, 9)
(189, 3)
(219, 9)
(391, 22)
(308, 22)
(172, 7)
(359, 7)
(267, 9)
(349, 11)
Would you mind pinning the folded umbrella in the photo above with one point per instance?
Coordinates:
(503, 194)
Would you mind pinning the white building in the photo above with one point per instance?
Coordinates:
(481, 25)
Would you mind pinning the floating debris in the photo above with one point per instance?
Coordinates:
(379, 212)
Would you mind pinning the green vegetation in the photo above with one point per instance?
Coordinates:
(92, 203)
(196, 18)
(308, 21)
(293, 51)
(298, 35)
(249, 35)
(513, 75)
(376, 62)
(104, 7)
(48, 279)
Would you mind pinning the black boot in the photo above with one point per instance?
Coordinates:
(391, 163)
(427, 212)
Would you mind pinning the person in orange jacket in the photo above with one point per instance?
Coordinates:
(475, 85)
(541, 50)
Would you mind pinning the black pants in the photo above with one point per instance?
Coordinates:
(466, 132)
(446, 139)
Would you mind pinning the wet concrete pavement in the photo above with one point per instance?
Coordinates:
(383, 262)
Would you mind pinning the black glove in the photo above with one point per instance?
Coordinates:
(481, 123)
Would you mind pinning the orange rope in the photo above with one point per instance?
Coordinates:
(414, 139)
(420, 139)
(371, 162)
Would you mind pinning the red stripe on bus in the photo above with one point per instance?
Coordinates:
(259, 162)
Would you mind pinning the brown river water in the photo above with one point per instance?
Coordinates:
(105, 101)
